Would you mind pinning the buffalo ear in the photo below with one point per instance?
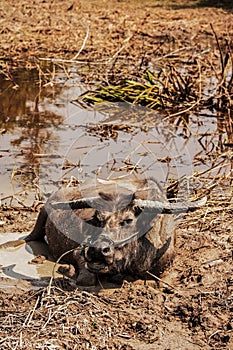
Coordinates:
(109, 197)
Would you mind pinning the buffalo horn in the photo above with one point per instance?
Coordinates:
(164, 207)
(169, 207)
(81, 203)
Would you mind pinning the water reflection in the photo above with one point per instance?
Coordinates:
(46, 139)
(26, 128)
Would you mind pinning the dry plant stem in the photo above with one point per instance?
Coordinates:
(217, 166)
(83, 45)
(160, 280)
(11, 195)
(183, 111)
(20, 202)
(54, 267)
(121, 49)
(219, 47)
(173, 52)
(31, 313)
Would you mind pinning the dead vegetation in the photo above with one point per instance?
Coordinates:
(125, 318)
(185, 53)
(177, 87)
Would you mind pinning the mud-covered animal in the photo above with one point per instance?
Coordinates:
(110, 227)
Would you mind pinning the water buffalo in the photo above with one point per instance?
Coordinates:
(110, 227)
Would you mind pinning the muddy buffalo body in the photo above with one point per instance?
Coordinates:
(110, 227)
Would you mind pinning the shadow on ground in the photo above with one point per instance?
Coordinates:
(225, 4)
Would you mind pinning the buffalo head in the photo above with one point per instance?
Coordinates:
(134, 230)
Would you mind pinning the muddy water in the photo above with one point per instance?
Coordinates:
(17, 263)
(46, 139)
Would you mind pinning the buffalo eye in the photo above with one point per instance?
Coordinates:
(126, 222)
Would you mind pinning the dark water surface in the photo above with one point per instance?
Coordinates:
(45, 138)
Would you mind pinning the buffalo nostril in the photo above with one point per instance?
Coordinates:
(106, 250)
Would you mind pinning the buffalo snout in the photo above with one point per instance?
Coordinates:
(99, 255)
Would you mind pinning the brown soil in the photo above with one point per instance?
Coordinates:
(194, 308)
(123, 37)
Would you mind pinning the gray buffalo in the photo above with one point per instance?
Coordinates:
(114, 227)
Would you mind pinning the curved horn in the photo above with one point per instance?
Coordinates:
(169, 207)
(105, 202)
(91, 202)
(81, 203)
